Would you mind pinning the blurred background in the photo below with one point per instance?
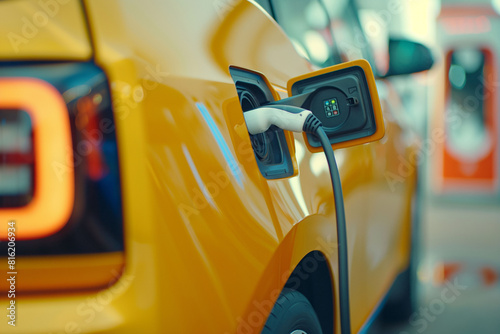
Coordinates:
(437, 64)
(454, 110)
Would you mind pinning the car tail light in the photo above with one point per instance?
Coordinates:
(35, 132)
(59, 176)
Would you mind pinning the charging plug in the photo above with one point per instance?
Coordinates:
(285, 117)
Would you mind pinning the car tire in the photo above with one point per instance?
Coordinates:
(292, 314)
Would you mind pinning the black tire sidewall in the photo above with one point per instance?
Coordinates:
(292, 311)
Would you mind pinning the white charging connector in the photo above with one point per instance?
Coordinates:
(289, 118)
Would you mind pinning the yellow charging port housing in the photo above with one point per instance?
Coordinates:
(345, 98)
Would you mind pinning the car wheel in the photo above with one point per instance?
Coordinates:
(292, 314)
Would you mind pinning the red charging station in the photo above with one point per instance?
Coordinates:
(466, 161)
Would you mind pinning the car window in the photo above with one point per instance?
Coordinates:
(347, 30)
(308, 25)
(327, 32)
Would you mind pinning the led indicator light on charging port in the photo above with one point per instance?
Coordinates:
(331, 108)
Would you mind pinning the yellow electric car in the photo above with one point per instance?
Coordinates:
(133, 199)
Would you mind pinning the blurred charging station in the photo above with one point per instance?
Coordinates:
(465, 122)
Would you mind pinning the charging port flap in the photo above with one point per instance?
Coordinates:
(345, 99)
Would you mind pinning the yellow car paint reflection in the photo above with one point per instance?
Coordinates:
(209, 242)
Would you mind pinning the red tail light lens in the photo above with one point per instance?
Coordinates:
(59, 176)
(45, 198)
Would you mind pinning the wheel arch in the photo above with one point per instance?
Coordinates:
(313, 278)
(310, 243)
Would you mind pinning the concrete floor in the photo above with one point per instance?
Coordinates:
(460, 245)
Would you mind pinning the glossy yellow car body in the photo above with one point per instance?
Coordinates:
(209, 242)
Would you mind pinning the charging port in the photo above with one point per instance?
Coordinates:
(270, 148)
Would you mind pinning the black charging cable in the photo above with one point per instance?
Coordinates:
(313, 125)
(297, 119)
